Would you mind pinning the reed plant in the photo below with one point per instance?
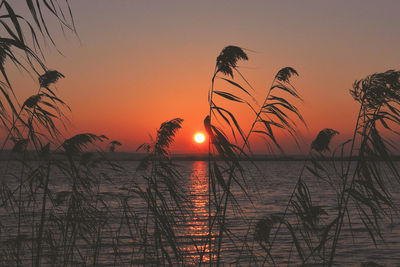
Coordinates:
(360, 173)
(276, 112)
(57, 208)
(59, 221)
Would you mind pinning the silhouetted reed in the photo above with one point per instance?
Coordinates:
(275, 113)
(79, 222)
(361, 186)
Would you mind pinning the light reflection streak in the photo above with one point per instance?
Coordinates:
(197, 226)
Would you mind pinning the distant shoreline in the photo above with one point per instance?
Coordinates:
(129, 156)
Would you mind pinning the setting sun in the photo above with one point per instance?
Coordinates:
(199, 138)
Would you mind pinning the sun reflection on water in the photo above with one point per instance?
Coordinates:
(197, 228)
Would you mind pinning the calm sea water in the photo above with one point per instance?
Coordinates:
(269, 187)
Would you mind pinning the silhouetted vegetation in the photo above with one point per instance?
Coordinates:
(57, 211)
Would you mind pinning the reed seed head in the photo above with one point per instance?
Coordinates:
(324, 137)
(228, 58)
(51, 76)
(377, 89)
(284, 74)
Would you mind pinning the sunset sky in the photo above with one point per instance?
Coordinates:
(139, 63)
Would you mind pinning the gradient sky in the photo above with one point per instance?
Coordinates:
(140, 63)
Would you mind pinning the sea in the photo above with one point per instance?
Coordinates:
(265, 190)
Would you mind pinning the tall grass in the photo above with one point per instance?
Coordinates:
(276, 112)
(57, 211)
(360, 172)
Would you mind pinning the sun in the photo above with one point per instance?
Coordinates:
(199, 138)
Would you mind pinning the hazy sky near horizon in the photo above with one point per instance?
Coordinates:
(140, 63)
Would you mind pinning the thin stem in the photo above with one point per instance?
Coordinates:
(42, 218)
(232, 169)
(209, 170)
(342, 197)
(258, 116)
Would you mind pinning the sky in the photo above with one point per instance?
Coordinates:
(137, 64)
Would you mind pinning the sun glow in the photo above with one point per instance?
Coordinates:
(199, 138)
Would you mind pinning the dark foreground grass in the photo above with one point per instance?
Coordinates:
(79, 224)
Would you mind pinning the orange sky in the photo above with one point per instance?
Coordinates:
(140, 63)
